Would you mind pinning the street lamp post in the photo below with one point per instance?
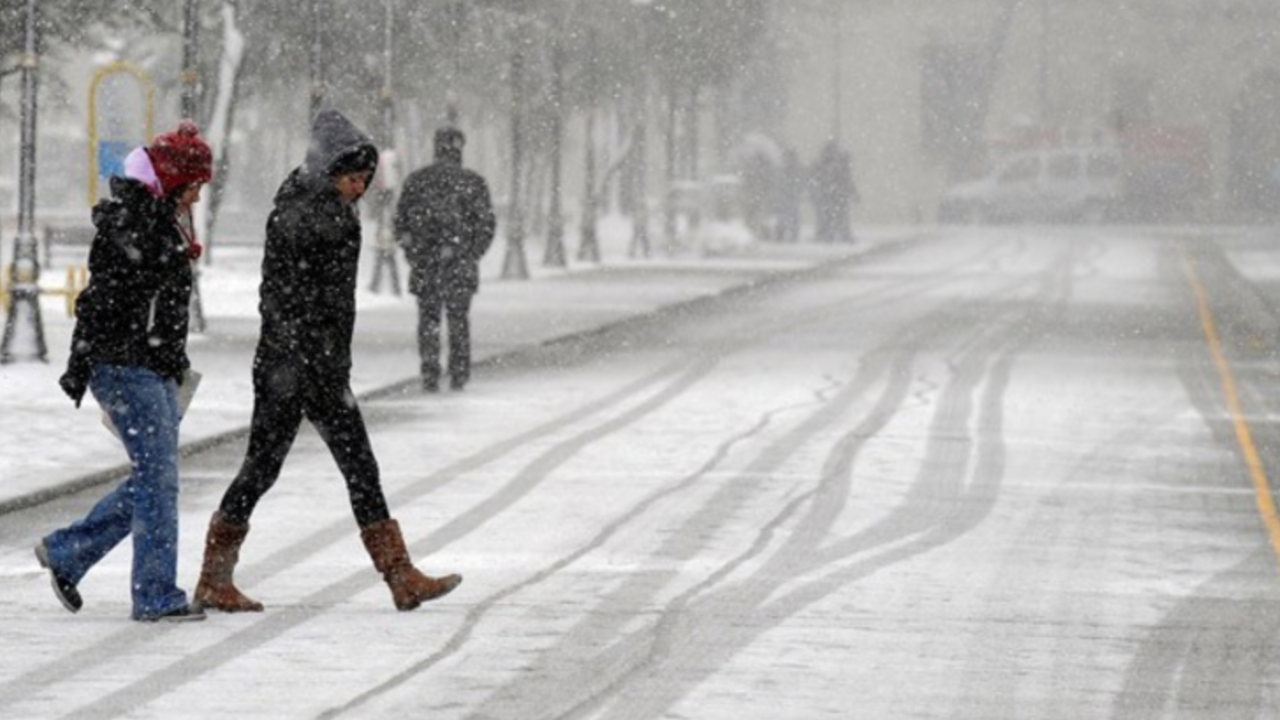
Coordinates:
(589, 242)
(190, 89)
(190, 55)
(514, 265)
(669, 195)
(837, 44)
(554, 255)
(384, 196)
(456, 14)
(640, 224)
(23, 320)
(316, 60)
(1043, 89)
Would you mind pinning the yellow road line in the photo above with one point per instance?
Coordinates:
(1261, 489)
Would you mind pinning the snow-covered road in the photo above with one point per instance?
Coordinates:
(989, 474)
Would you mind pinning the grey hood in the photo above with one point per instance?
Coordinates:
(332, 137)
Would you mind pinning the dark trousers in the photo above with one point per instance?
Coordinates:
(281, 399)
(454, 307)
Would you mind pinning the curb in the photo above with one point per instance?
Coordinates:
(401, 387)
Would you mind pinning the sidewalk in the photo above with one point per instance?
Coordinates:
(51, 448)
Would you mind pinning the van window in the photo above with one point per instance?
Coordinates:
(1064, 167)
(1020, 170)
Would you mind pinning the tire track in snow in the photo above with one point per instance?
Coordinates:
(276, 624)
(583, 686)
(1222, 634)
(476, 613)
(685, 371)
(693, 641)
(939, 508)
(125, 641)
(110, 649)
(888, 296)
(693, 632)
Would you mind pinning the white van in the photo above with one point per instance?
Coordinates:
(1058, 184)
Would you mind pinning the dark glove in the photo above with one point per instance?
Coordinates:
(75, 381)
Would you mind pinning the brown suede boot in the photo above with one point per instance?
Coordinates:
(409, 588)
(216, 589)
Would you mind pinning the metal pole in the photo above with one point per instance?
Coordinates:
(554, 255)
(316, 61)
(190, 47)
(1043, 95)
(640, 225)
(669, 196)
(588, 241)
(385, 248)
(837, 40)
(388, 61)
(24, 299)
(455, 10)
(190, 87)
(514, 265)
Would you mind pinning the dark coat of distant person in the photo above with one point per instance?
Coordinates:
(445, 222)
(833, 191)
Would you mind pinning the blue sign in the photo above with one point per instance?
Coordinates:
(111, 155)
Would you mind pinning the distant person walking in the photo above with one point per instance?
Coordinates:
(790, 192)
(302, 367)
(833, 191)
(445, 223)
(129, 349)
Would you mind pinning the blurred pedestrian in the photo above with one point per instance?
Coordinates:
(302, 367)
(445, 223)
(790, 191)
(760, 180)
(128, 349)
(833, 191)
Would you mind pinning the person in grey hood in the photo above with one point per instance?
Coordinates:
(302, 367)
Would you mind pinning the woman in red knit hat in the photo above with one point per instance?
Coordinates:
(129, 350)
(183, 162)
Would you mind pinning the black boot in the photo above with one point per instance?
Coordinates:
(66, 590)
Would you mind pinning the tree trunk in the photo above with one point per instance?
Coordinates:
(220, 124)
(514, 265)
(669, 192)
(588, 244)
(554, 251)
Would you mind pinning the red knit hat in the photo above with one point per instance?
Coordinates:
(181, 157)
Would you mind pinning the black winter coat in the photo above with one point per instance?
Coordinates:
(135, 309)
(309, 266)
(445, 223)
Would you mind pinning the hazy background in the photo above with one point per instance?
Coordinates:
(677, 102)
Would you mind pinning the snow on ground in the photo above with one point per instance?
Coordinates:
(49, 443)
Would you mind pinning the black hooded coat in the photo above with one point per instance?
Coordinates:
(134, 312)
(310, 260)
(445, 223)
(307, 301)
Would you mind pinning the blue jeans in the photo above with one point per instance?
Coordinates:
(144, 408)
